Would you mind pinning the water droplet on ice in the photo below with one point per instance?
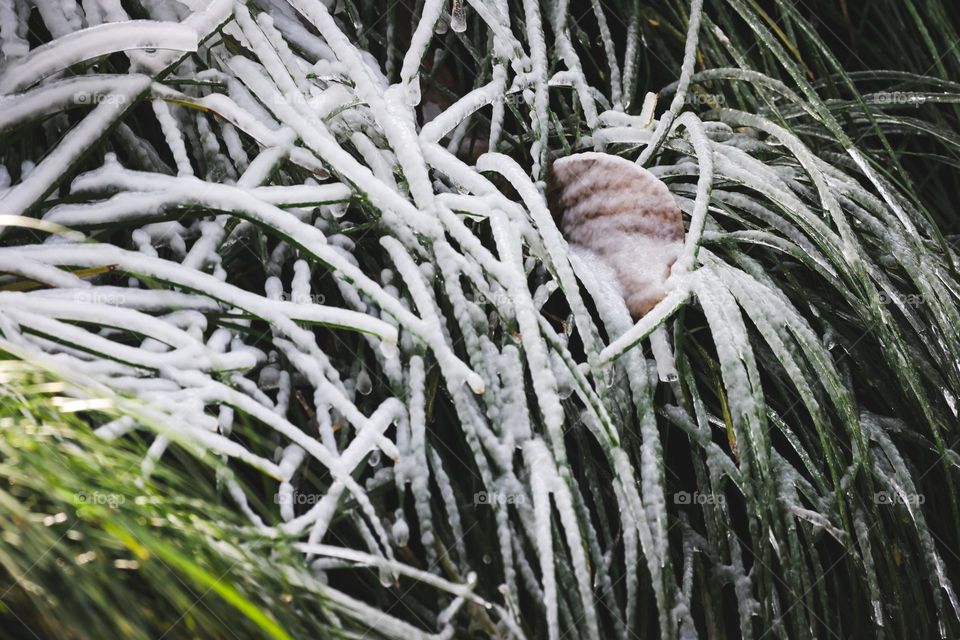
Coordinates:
(389, 349)
(413, 91)
(338, 209)
(458, 21)
(400, 532)
(374, 459)
(364, 384)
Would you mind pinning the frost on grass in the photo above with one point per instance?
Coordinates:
(331, 277)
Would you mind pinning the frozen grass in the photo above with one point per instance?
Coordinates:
(317, 256)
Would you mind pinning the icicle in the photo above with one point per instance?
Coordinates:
(663, 353)
(458, 20)
(409, 71)
(400, 531)
(364, 384)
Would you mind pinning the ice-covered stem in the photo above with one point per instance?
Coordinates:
(616, 89)
(173, 137)
(13, 43)
(852, 250)
(663, 354)
(544, 383)
(55, 166)
(704, 151)
(184, 349)
(645, 520)
(686, 71)
(572, 60)
(369, 436)
(390, 107)
(544, 482)
(539, 115)
(309, 238)
(317, 137)
(459, 590)
(57, 95)
(489, 14)
(454, 368)
(460, 110)
(94, 42)
(553, 240)
(630, 55)
(409, 72)
(648, 323)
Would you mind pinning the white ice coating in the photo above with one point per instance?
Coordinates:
(361, 234)
(173, 137)
(686, 72)
(24, 195)
(94, 42)
(422, 35)
(13, 43)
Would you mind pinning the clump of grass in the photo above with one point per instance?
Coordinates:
(316, 288)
